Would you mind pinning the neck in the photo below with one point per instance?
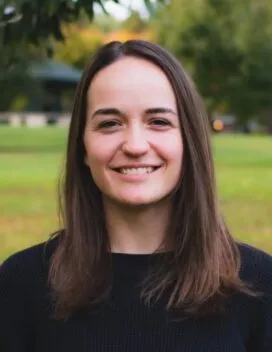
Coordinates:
(135, 230)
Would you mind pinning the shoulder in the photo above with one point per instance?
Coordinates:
(256, 267)
(22, 291)
(26, 264)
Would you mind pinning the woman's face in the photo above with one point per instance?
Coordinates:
(132, 135)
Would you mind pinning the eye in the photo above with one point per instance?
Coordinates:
(108, 124)
(160, 122)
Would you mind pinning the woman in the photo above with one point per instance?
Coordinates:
(145, 261)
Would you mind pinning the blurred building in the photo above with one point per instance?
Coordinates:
(58, 82)
(50, 99)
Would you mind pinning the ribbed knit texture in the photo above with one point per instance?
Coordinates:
(127, 324)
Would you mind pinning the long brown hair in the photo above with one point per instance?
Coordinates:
(206, 261)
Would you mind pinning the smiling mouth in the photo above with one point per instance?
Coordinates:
(137, 170)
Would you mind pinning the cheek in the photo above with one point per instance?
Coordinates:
(94, 159)
(101, 148)
(98, 154)
(172, 150)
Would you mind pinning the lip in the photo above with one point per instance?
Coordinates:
(136, 166)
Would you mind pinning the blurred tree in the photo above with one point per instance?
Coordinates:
(15, 80)
(35, 20)
(123, 35)
(40, 23)
(227, 46)
(106, 23)
(135, 23)
(79, 44)
(17, 83)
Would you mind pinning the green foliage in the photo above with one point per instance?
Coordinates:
(40, 23)
(15, 80)
(79, 45)
(134, 23)
(227, 47)
(20, 103)
(106, 23)
(36, 20)
(14, 75)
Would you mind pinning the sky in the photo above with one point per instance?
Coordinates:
(121, 11)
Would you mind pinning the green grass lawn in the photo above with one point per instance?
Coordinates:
(31, 160)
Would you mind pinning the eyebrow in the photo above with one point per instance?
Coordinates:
(160, 110)
(107, 111)
(114, 111)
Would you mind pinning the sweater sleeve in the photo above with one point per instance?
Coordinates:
(258, 271)
(15, 311)
(263, 269)
(266, 344)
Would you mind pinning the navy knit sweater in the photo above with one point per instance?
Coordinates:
(128, 325)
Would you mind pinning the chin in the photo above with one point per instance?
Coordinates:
(136, 206)
(139, 202)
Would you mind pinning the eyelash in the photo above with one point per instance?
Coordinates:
(108, 124)
(112, 123)
(162, 122)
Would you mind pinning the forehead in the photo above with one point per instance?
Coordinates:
(131, 79)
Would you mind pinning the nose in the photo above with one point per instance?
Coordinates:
(135, 142)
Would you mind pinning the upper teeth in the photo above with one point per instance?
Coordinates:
(138, 170)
